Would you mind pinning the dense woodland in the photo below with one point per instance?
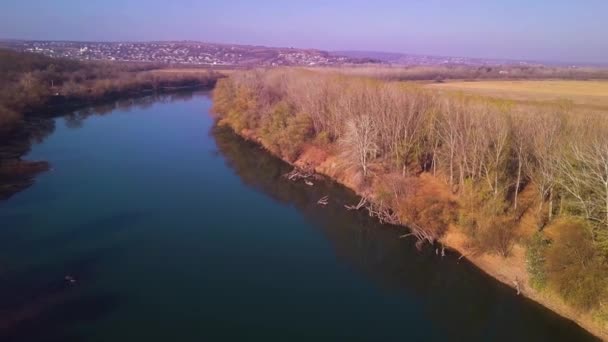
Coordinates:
(503, 173)
(32, 82)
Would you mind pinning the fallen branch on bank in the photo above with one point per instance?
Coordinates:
(422, 236)
(323, 201)
(517, 286)
(383, 213)
(360, 205)
(300, 173)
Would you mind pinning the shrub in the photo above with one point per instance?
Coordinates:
(223, 97)
(499, 235)
(487, 222)
(574, 268)
(8, 118)
(243, 112)
(322, 139)
(427, 206)
(536, 261)
(299, 130)
(284, 132)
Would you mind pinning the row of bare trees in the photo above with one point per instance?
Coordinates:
(492, 147)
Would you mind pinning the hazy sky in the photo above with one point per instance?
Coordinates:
(558, 30)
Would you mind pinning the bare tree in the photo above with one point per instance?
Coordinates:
(496, 130)
(359, 141)
(583, 173)
(540, 168)
(521, 147)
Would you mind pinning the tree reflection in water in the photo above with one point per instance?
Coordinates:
(17, 174)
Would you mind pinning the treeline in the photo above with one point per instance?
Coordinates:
(439, 73)
(504, 173)
(30, 82)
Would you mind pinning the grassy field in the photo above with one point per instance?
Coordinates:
(592, 94)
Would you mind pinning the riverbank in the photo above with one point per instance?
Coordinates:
(60, 104)
(510, 270)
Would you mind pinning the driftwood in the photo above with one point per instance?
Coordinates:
(323, 201)
(360, 205)
(383, 213)
(516, 283)
(422, 236)
(309, 183)
(387, 215)
(300, 173)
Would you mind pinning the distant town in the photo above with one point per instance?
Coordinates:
(233, 55)
(190, 53)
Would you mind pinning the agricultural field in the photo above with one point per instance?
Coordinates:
(591, 94)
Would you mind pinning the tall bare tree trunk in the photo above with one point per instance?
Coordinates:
(517, 184)
(550, 204)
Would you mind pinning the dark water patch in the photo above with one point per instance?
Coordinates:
(98, 228)
(10, 220)
(51, 319)
(22, 286)
(44, 302)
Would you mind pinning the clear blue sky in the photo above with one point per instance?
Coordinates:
(559, 30)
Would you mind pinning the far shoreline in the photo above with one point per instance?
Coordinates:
(17, 174)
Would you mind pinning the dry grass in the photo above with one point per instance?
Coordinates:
(592, 94)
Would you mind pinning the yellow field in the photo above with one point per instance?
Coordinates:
(582, 93)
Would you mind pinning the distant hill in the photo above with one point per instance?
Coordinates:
(411, 59)
(236, 55)
(184, 52)
(415, 59)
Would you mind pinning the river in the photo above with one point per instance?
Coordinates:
(155, 225)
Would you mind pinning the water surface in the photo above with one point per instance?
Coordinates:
(174, 230)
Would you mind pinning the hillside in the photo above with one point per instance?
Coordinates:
(183, 52)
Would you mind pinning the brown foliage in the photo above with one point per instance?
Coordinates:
(574, 268)
(425, 205)
(488, 222)
(8, 119)
(285, 133)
